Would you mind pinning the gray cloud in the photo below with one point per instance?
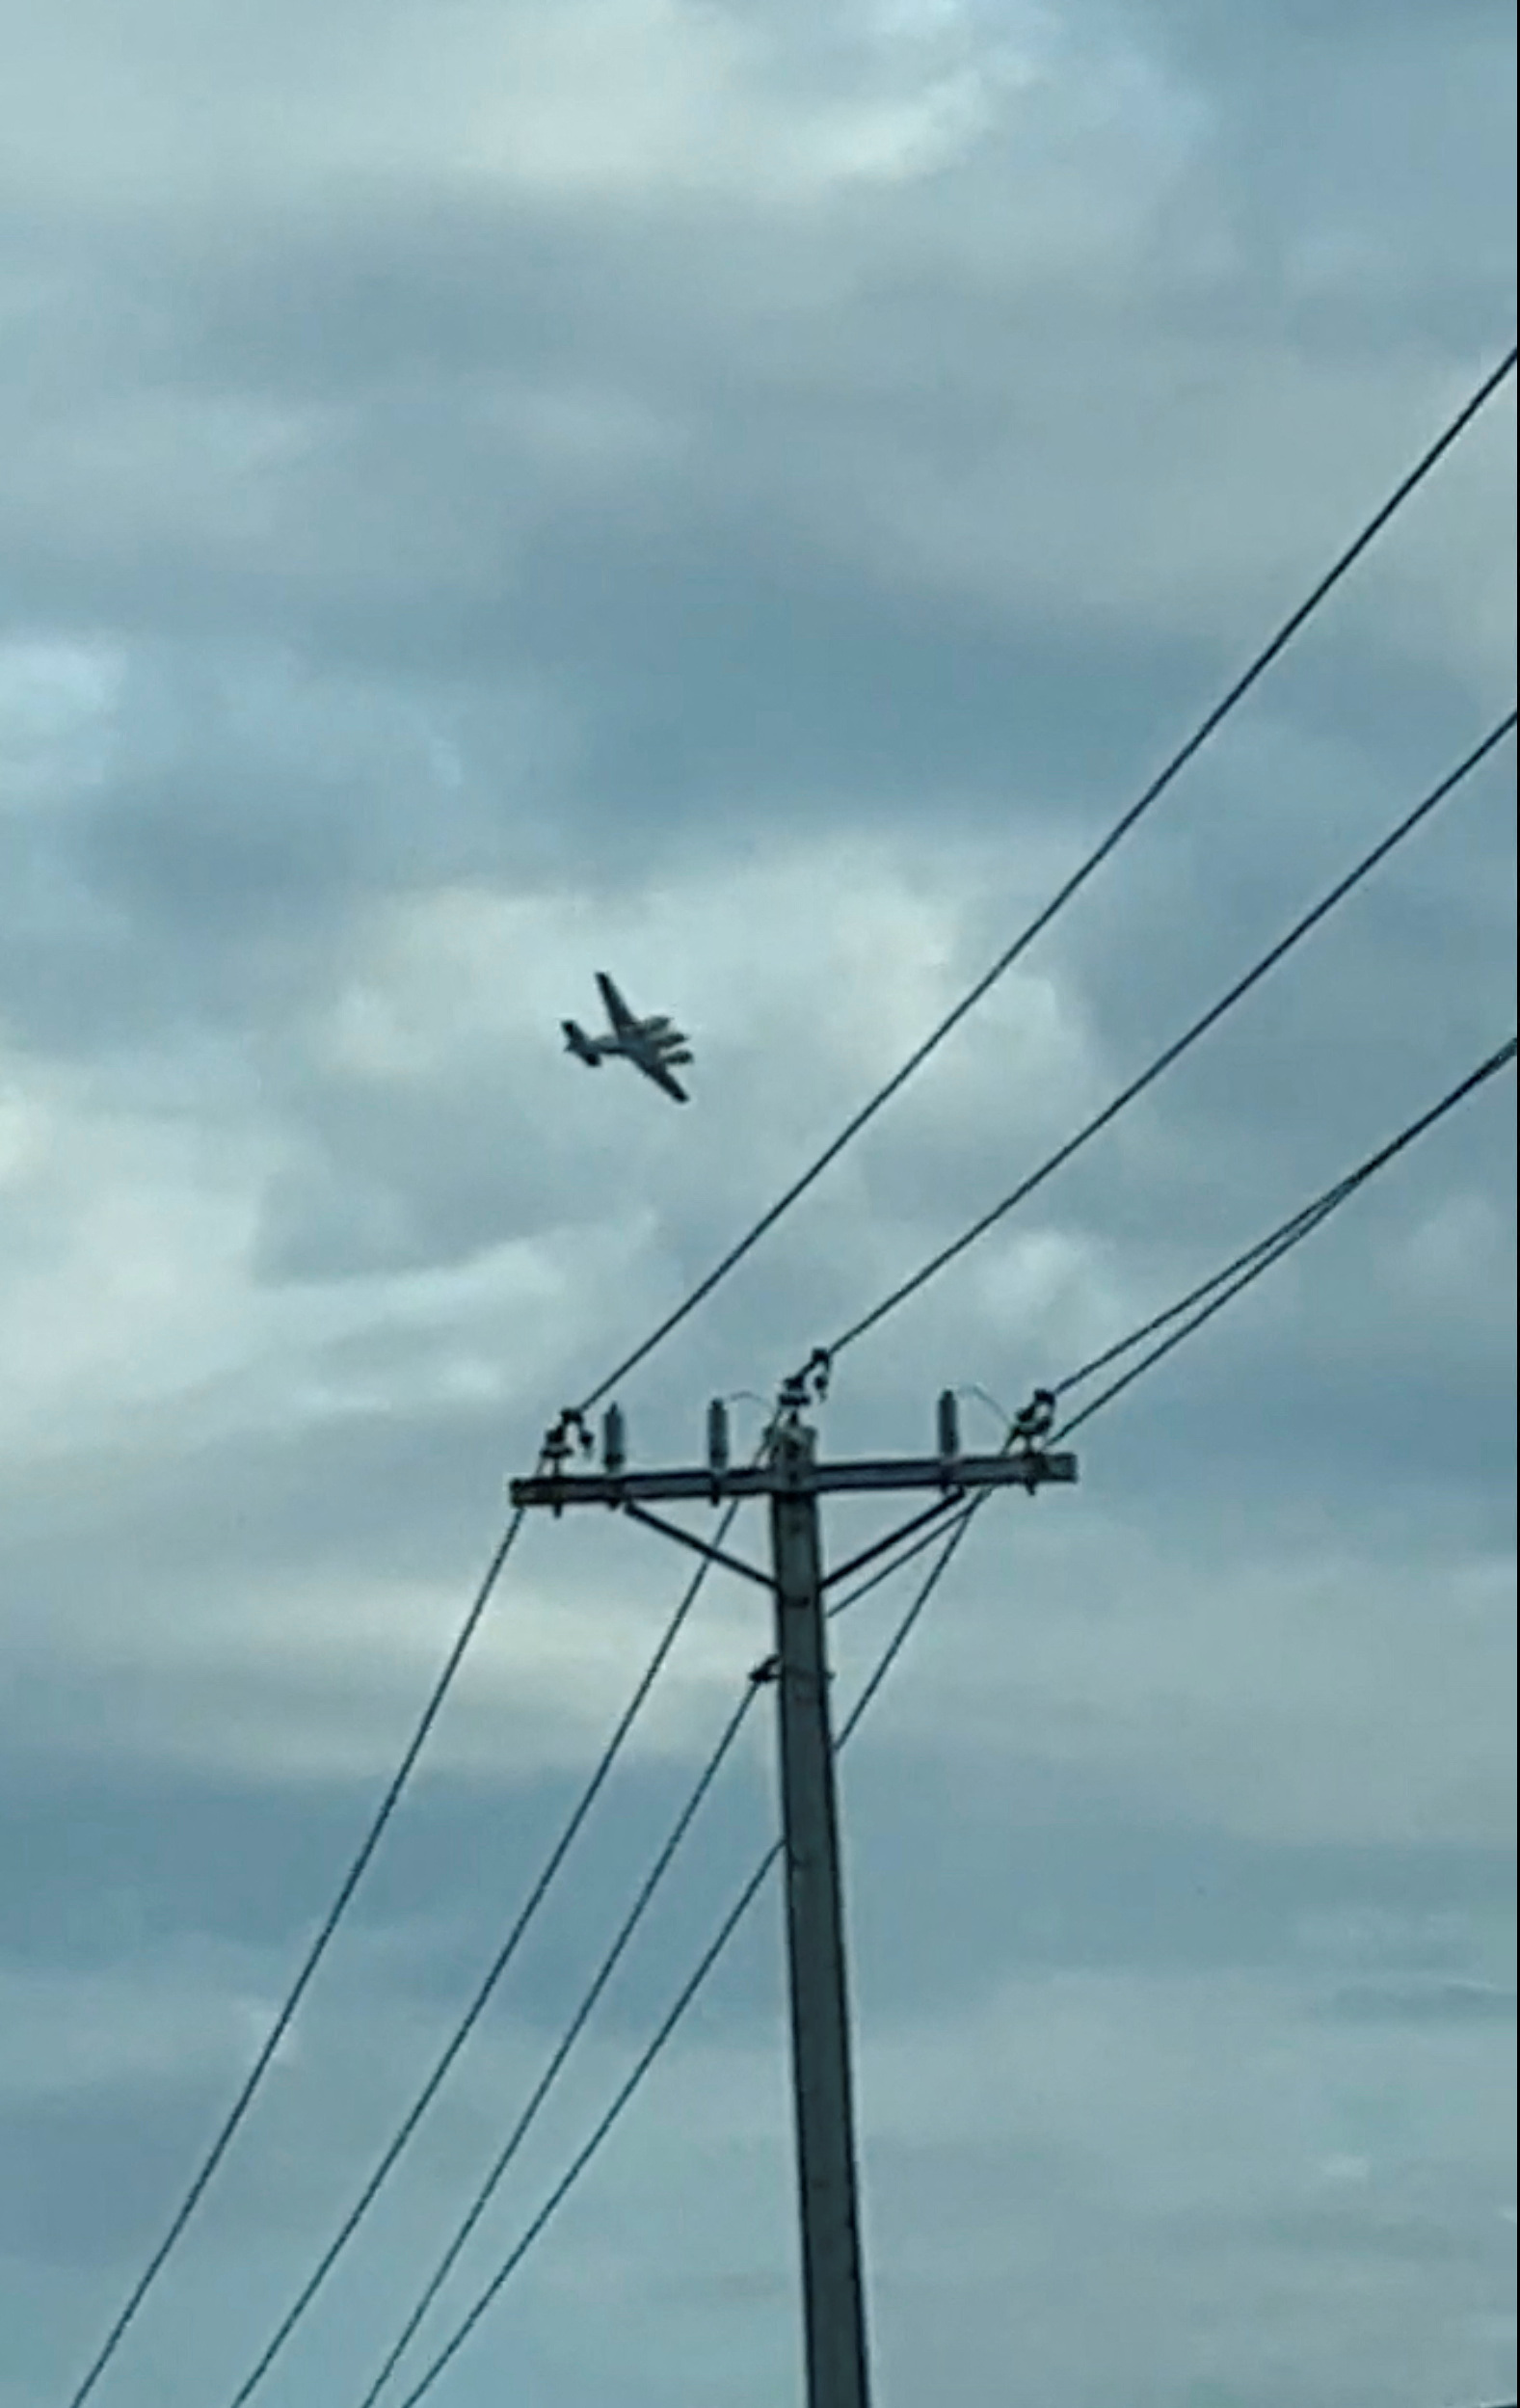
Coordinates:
(744, 496)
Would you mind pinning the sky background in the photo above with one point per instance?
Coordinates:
(739, 495)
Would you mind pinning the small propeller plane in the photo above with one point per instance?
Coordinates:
(649, 1045)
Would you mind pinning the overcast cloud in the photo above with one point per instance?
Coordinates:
(739, 495)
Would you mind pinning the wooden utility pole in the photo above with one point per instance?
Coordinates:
(792, 1478)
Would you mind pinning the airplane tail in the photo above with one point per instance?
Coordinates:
(577, 1042)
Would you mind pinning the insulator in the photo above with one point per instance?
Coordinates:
(949, 1425)
(614, 1439)
(717, 1435)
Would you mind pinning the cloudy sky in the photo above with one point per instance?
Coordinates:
(741, 493)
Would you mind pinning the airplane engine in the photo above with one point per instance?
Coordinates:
(676, 1053)
(577, 1042)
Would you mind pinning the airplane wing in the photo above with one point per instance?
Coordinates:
(664, 1078)
(618, 1012)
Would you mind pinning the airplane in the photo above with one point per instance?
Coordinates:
(649, 1045)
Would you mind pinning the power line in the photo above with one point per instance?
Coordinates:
(401, 2139)
(633, 2081)
(1248, 1268)
(642, 1902)
(519, 2133)
(1208, 1299)
(894, 1563)
(1309, 1214)
(1199, 1027)
(1207, 727)
(1220, 1289)
(486, 2298)
(775, 1668)
(253, 2079)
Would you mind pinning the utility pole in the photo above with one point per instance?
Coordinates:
(833, 2289)
(791, 1475)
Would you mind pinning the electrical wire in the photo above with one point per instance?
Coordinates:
(1234, 994)
(486, 2298)
(1209, 1299)
(444, 2064)
(1312, 1213)
(550, 2074)
(1213, 1295)
(1203, 733)
(955, 1508)
(1220, 1289)
(641, 1904)
(602, 2131)
(253, 2081)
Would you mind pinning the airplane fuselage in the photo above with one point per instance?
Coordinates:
(640, 1045)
